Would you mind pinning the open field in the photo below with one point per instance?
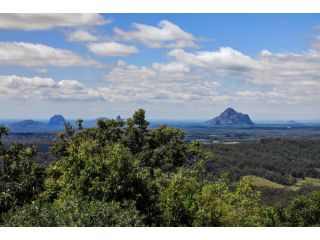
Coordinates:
(308, 180)
(263, 182)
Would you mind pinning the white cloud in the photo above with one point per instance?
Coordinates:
(81, 36)
(112, 49)
(17, 87)
(41, 70)
(285, 94)
(223, 61)
(266, 68)
(172, 82)
(192, 76)
(285, 77)
(171, 68)
(34, 55)
(286, 68)
(165, 35)
(46, 21)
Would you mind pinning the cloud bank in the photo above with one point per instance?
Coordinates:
(47, 21)
(34, 55)
(112, 49)
(25, 88)
(165, 35)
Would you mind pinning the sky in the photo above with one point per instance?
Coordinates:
(175, 66)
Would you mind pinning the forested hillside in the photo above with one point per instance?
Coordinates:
(279, 160)
(123, 174)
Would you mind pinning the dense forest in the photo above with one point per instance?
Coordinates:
(122, 173)
(279, 160)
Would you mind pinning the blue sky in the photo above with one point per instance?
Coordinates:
(175, 66)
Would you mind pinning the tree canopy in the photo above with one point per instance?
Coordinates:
(122, 173)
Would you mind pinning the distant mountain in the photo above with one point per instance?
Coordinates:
(292, 122)
(56, 122)
(118, 118)
(27, 126)
(230, 117)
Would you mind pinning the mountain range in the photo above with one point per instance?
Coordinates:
(55, 123)
(229, 117)
(292, 122)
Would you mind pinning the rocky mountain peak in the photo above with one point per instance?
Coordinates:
(230, 117)
(56, 120)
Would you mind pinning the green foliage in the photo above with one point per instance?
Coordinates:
(220, 206)
(274, 216)
(3, 132)
(112, 173)
(123, 174)
(21, 179)
(109, 163)
(52, 183)
(75, 213)
(178, 201)
(79, 123)
(187, 201)
(164, 148)
(305, 210)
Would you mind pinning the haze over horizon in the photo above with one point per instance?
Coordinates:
(176, 66)
(155, 120)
